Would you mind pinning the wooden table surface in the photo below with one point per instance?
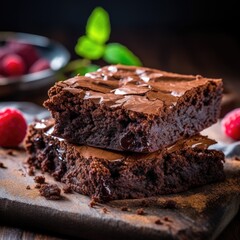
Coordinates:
(232, 232)
(208, 55)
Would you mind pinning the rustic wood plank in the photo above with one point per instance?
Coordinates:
(7, 233)
(13, 233)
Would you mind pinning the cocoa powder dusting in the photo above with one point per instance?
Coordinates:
(201, 199)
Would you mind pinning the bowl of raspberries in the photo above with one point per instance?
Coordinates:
(29, 61)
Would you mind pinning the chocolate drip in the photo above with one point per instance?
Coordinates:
(197, 141)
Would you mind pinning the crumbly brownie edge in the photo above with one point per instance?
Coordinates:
(108, 180)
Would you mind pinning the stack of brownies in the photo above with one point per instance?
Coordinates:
(129, 132)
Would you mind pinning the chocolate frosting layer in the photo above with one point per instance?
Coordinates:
(197, 141)
(137, 89)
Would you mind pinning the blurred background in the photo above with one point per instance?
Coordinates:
(190, 37)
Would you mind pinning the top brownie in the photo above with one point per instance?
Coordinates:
(134, 109)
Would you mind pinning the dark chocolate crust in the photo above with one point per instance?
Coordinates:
(133, 108)
(108, 175)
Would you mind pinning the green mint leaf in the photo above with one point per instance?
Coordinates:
(98, 26)
(89, 49)
(116, 53)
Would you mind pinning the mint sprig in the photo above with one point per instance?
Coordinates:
(117, 53)
(98, 26)
(88, 48)
(94, 46)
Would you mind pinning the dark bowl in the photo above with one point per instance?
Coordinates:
(56, 54)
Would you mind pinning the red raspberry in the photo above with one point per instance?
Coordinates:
(13, 65)
(26, 51)
(231, 124)
(3, 52)
(13, 127)
(39, 65)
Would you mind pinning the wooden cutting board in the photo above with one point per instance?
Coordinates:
(196, 214)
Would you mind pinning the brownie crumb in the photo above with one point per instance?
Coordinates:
(31, 171)
(105, 210)
(167, 219)
(50, 191)
(67, 189)
(2, 165)
(37, 185)
(28, 187)
(10, 152)
(124, 209)
(39, 179)
(140, 211)
(92, 203)
(158, 222)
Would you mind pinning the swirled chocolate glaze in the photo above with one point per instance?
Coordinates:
(197, 141)
(133, 88)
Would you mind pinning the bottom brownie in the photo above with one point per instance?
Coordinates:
(108, 175)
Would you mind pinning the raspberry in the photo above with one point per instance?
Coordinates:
(28, 52)
(13, 65)
(13, 127)
(231, 124)
(3, 52)
(39, 65)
